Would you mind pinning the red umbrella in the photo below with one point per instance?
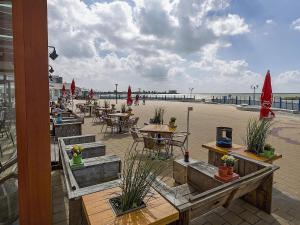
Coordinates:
(91, 94)
(129, 99)
(73, 87)
(266, 98)
(63, 90)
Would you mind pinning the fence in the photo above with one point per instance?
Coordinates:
(278, 102)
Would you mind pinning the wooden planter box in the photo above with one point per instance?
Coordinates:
(203, 193)
(98, 173)
(98, 210)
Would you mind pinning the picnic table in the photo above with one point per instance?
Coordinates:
(215, 153)
(98, 211)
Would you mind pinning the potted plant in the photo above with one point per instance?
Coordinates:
(257, 133)
(172, 122)
(138, 175)
(123, 108)
(76, 152)
(158, 116)
(113, 106)
(129, 110)
(226, 168)
(268, 151)
(106, 104)
(230, 160)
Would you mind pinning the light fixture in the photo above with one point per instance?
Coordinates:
(53, 55)
(51, 70)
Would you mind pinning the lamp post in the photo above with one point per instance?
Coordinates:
(186, 153)
(254, 87)
(191, 91)
(116, 93)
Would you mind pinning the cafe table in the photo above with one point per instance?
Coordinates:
(98, 211)
(121, 117)
(157, 129)
(215, 153)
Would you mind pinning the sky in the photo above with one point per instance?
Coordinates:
(209, 45)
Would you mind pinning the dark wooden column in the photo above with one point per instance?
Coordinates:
(32, 111)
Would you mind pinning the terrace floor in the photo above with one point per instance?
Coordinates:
(286, 197)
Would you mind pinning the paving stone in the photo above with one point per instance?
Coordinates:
(236, 208)
(244, 223)
(250, 208)
(214, 218)
(221, 211)
(199, 221)
(249, 217)
(232, 218)
(265, 216)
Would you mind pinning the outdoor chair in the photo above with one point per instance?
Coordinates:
(156, 144)
(178, 140)
(137, 137)
(97, 117)
(132, 122)
(112, 124)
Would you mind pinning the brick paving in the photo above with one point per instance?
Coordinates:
(204, 120)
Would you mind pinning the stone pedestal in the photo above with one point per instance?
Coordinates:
(180, 170)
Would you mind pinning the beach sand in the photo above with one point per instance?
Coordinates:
(203, 122)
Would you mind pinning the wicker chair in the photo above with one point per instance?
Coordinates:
(156, 144)
(137, 137)
(112, 124)
(178, 140)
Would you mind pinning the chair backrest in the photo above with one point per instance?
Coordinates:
(134, 134)
(149, 143)
(109, 122)
(136, 119)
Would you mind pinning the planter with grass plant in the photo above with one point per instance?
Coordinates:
(138, 175)
(268, 151)
(123, 108)
(257, 133)
(158, 116)
(106, 104)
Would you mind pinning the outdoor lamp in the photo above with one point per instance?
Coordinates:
(51, 70)
(186, 153)
(53, 55)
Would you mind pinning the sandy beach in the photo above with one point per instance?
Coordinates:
(203, 122)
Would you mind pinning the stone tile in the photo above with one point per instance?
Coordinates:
(199, 221)
(244, 223)
(265, 216)
(250, 208)
(221, 211)
(214, 218)
(249, 217)
(232, 218)
(236, 208)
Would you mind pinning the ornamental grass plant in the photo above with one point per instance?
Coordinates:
(257, 133)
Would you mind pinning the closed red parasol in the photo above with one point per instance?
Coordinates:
(63, 90)
(129, 99)
(73, 87)
(91, 93)
(266, 98)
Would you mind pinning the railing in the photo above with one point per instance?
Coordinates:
(278, 102)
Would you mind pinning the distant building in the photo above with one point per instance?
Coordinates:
(172, 92)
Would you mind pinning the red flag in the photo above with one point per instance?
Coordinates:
(63, 90)
(129, 99)
(73, 87)
(91, 94)
(266, 98)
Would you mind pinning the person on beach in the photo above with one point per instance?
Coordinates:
(144, 99)
(137, 99)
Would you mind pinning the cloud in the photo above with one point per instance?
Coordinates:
(171, 43)
(270, 22)
(296, 24)
(230, 25)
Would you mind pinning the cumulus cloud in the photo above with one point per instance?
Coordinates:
(270, 22)
(172, 43)
(296, 24)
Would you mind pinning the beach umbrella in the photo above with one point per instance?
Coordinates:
(266, 98)
(91, 93)
(73, 87)
(63, 90)
(129, 99)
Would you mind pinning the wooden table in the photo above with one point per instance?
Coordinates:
(215, 153)
(121, 117)
(98, 210)
(157, 129)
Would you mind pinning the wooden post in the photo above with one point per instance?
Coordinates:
(30, 40)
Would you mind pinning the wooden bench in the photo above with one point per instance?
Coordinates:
(202, 192)
(98, 173)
